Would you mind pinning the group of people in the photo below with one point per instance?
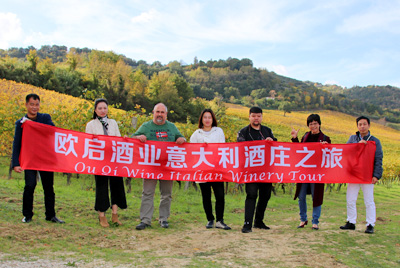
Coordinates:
(207, 132)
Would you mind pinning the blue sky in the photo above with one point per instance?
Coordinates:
(344, 42)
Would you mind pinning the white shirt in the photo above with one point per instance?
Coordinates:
(215, 135)
(96, 127)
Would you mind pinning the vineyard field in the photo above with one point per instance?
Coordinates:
(73, 113)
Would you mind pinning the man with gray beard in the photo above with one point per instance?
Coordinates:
(158, 129)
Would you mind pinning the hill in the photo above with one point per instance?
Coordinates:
(126, 83)
(73, 113)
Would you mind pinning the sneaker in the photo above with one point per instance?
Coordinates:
(246, 228)
(370, 229)
(164, 224)
(348, 226)
(210, 225)
(222, 225)
(26, 220)
(261, 225)
(55, 219)
(142, 226)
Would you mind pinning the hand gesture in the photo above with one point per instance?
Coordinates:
(294, 133)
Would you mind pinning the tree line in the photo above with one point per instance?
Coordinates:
(126, 83)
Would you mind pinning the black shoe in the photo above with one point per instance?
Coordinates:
(246, 228)
(26, 220)
(315, 227)
(55, 219)
(142, 226)
(210, 225)
(222, 225)
(370, 229)
(164, 224)
(348, 226)
(261, 225)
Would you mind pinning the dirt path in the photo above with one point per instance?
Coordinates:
(282, 246)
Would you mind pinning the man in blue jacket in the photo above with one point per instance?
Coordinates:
(362, 136)
(32, 106)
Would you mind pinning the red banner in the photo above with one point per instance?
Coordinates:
(55, 149)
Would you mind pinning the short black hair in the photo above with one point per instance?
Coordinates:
(96, 102)
(312, 118)
(255, 110)
(363, 117)
(32, 96)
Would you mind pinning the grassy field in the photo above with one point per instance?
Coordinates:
(81, 242)
(187, 243)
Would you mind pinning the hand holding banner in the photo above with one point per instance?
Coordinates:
(50, 148)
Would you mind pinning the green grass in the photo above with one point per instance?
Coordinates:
(187, 243)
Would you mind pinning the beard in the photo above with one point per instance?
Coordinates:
(159, 119)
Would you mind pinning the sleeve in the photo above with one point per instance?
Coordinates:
(295, 139)
(328, 140)
(117, 130)
(350, 140)
(178, 134)
(16, 145)
(141, 131)
(48, 120)
(378, 169)
(304, 136)
(193, 138)
(221, 136)
(115, 125)
(89, 128)
(240, 136)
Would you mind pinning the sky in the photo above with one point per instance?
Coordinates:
(342, 42)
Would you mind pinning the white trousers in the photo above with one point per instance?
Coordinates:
(351, 197)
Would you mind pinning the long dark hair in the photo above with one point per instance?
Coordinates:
(214, 122)
(96, 102)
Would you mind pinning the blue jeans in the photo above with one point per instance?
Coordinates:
(303, 203)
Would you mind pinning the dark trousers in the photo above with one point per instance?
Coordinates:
(117, 190)
(263, 190)
(218, 188)
(47, 179)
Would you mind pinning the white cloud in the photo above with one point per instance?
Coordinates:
(10, 29)
(382, 17)
(280, 69)
(146, 17)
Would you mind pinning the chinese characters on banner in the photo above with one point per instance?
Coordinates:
(54, 149)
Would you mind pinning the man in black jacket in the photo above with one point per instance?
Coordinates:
(256, 131)
(32, 106)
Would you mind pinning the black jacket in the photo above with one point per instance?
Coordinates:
(244, 134)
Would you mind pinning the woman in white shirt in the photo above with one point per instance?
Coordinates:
(102, 125)
(208, 132)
